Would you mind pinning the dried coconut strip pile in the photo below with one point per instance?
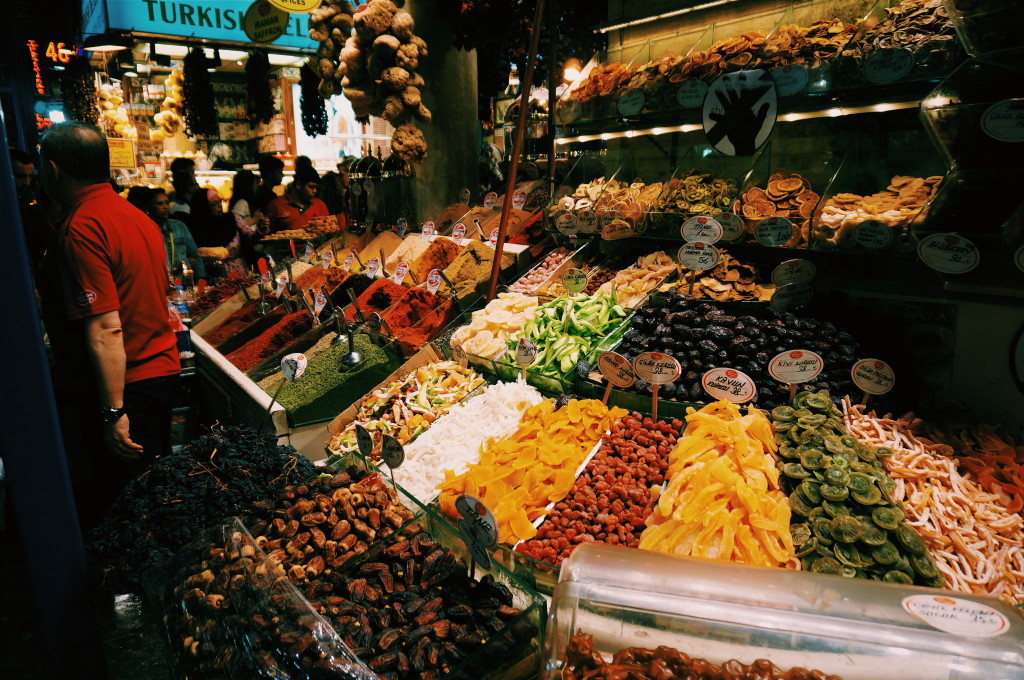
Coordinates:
(976, 542)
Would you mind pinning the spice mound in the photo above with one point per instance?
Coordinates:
(388, 241)
(411, 248)
(234, 323)
(470, 266)
(439, 254)
(315, 277)
(271, 340)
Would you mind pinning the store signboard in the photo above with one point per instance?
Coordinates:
(122, 153)
(217, 20)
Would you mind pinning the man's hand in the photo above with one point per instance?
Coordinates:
(119, 443)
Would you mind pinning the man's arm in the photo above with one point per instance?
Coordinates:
(105, 344)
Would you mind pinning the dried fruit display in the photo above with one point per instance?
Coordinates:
(213, 295)
(489, 328)
(532, 280)
(584, 662)
(696, 193)
(728, 281)
(970, 522)
(894, 207)
(786, 195)
(845, 519)
(585, 195)
(612, 497)
(259, 100)
(723, 500)
(633, 201)
(631, 285)
(198, 107)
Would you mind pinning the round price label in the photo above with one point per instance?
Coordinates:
(1004, 121)
(732, 225)
(490, 198)
(363, 440)
(587, 221)
(614, 228)
(616, 369)
(791, 296)
(568, 111)
(400, 272)
(434, 280)
(790, 80)
(773, 231)
(401, 226)
(459, 231)
(428, 229)
(690, 94)
(325, 258)
(948, 253)
(795, 367)
(657, 368)
(631, 102)
(873, 376)
(729, 384)
(607, 217)
(392, 452)
(372, 267)
(282, 283)
(493, 238)
(464, 195)
(888, 65)
(357, 189)
(349, 259)
(574, 280)
(518, 199)
(478, 528)
(698, 256)
(526, 352)
(702, 228)
(566, 224)
(872, 235)
(265, 277)
(957, 615)
(1018, 259)
(293, 365)
(794, 271)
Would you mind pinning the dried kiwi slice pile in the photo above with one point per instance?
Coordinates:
(844, 521)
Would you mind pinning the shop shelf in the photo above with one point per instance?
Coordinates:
(986, 26)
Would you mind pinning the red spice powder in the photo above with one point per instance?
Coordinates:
(248, 313)
(381, 295)
(271, 340)
(318, 276)
(217, 293)
(418, 318)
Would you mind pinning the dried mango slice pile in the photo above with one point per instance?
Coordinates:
(723, 499)
(518, 476)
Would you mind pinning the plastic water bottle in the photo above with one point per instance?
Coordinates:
(181, 303)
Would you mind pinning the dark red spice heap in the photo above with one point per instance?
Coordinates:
(271, 340)
(234, 323)
(217, 293)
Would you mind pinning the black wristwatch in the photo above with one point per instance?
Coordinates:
(110, 414)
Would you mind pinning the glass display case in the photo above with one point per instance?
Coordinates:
(713, 611)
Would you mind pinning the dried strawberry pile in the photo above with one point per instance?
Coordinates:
(611, 499)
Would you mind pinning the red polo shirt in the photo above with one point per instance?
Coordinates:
(107, 255)
(284, 214)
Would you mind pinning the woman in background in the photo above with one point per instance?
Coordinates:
(243, 204)
(213, 228)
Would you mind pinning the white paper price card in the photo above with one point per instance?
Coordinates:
(566, 224)
(401, 226)
(428, 229)
(401, 271)
(795, 367)
(392, 452)
(293, 365)
(282, 283)
(791, 296)
(357, 189)
(518, 199)
(478, 528)
(526, 352)
(631, 102)
(948, 253)
(794, 271)
(587, 221)
(691, 94)
(319, 302)
(265, 276)
(464, 195)
(490, 198)
(729, 384)
(434, 280)
(1004, 121)
(957, 615)
(701, 228)
(492, 240)
(574, 280)
(773, 231)
(872, 235)
(363, 440)
(616, 369)
(307, 254)
(346, 264)
(657, 368)
(873, 376)
(325, 258)
(372, 267)
(888, 65)
(458, 232)
(790, 80)
(732, 225)
(698, 256)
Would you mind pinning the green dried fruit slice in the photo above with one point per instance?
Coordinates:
(860, 466)
(903, 564)
(810, 491)
(834, 509)
(813, 460)
(850, 572)
(837, 476)
(832, 443)
(798, 505)
(883, 451)
(800, 399)
(849, 441)
(822, 528)
(808, 547)
(819, 401)
(787, 451)
(801, 533)
(870, 534)
(846, 528)
(849, 555)
(911, 540)
(827, 565)
(924, 566)
(834, 493)
(783, 425)
(859, 482)
(834, 423)
(803, 436)
(813, 420)
(795, 470)
(866, 454)
(783, 413)
(885, 554)
(897, 577)
(887, 517)
(935, 582)
(870, 497)
(842, 459)
(816, 513)
(802, 413)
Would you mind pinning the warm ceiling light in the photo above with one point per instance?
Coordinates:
(571, 70)
(106, 42)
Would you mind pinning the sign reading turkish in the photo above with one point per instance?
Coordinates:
(873, 376)
(795, 367)
(729, 384)
(702, 228)
(948, 253)
(325, 258)
(616, 369)
(657, 368)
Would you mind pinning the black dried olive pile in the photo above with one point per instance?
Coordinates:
(701, 336)
(179, 495)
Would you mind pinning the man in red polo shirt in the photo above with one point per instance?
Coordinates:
(104, 290)
(299, 204)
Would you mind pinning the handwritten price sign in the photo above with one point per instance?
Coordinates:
(729, 384)
(795, 367)
(657, 368)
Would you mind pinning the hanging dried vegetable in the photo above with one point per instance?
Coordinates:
(199, 110)
(79, 91)
(259, 102)
(314, 113)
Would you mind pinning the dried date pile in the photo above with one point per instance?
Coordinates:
(611, 500)
(216, 476)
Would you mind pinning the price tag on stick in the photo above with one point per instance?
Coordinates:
(490, 198)
(400, 272)
(729, 384)
(872, 376)
(349, 259)
(428, 230)
(657, 369)
(464, 196)
(434, 281)
(307, 253)
(526, 354)
(793, 271)
(697, 257)
(393, 455)
(364, 441)
(292, 366)
(372, 267)
(282, 284)
(701, 228)
(325, 258)
(795, 367)
(493, 240)
(479, 530)
(458, 232)
(617, 372)
(574, 280)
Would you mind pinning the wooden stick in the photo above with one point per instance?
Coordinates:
(693, 280)
(607, 393)
(654, 403)
(792, 392)
(864, 401)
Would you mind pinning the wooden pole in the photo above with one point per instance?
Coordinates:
(517, 145)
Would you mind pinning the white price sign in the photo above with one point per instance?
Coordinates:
(325, 258)
(872, 235)
(793, 271)
(587, 221)
(293, 365)
(698, 256)
(729, 384)
(319, 302)
(526, 352)
(490, 198)
(372, 267)
(400, 272)
(478, 528)
(346, 264)
(949, 253)
(616, 369)
(691, 94)
(888, 65)
(518, 199)
(795, 367)
(791, 296)
(873, 376)
(702, 228)
(566, 224)
(428, 229)
(790, 80)
(282, 283)
(307, 254)
(434, 280)
(657, 368)
(574, 280)
(773, 231)
(458, 232)
(493, 239)
(732, 225)
(631, 102)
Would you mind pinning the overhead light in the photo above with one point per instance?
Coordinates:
(57, 116)
(130, 74)
(663, 15)
(233, 55)
(284, 60)
(106, 42)
(571, 70)
(170, 50)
